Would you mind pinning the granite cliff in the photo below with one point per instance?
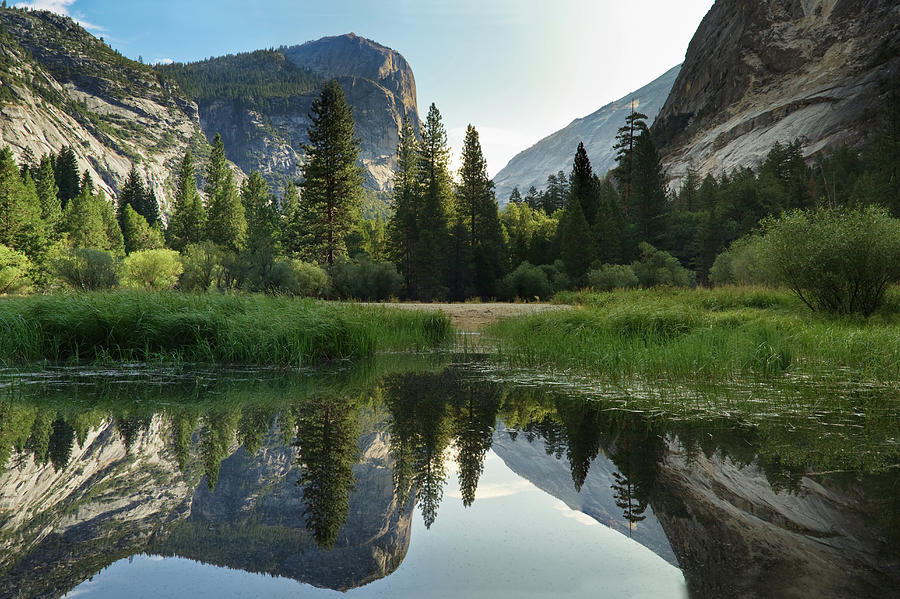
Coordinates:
(759, 72)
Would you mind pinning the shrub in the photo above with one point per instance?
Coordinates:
(657, 267)
(612, 276)
(152, 270)
(86, 269)
(294, 277)
(526, 282)
(14, 268)
(741, 264)
(834, 260)
(556, 274)
(202, 264)
(366, 280)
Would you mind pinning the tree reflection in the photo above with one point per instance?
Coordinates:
(327, 436)
(474, 419)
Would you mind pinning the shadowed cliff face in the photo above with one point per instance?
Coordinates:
(757, 72)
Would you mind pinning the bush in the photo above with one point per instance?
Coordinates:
(294, 277)
(366, 280)
(526, 282)
(14, 268)
(741, 264)
(86, 269)
(612, 276)
(152, 270)
(657, 267)
(556, 274)
(202, 266)
(834, 260)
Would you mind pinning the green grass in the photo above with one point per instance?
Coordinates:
(703, 334)
(218, 329)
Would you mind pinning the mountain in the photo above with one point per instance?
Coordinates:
(260, 102)
(598, 132)
(759, 72)
(62, 86)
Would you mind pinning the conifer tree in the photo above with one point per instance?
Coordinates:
(581, 185)
(132, 194)
(47, 191)
(262, 224)
(137, 234)
(515, 196)
(226, 224)
(648, 192)
(575, 241)
(87, 182)
(635, 123)
(91, 222)
(188, 221)
(65, 167)
(403, 232)
(332, 185)
(21, 227)
(429, 261)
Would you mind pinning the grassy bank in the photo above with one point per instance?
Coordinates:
(704, 334)
(218, 329)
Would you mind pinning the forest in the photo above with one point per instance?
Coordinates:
(445, 238)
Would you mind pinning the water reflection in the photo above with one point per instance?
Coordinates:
(314, 477)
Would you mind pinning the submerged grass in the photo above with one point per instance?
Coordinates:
(703, 334)
(218, 329)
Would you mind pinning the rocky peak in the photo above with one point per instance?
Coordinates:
(757, 72)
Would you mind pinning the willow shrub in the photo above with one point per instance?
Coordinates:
(839, 261)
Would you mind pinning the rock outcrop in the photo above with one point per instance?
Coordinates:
(61, 86)
(379, 86)
(598, 132)
(759, 72)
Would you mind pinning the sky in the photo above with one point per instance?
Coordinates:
(517, 70)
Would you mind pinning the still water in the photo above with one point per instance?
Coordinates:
(420, 477)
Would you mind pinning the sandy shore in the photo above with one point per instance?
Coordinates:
(474, 317)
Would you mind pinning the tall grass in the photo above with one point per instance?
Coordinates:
(702, 334)
(220, 329)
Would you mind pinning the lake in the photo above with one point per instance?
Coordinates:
(440, 476)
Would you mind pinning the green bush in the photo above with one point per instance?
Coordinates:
(294, 277)
(612, 276)
(834, 260)
(741, 264)
(152, 270)
(14, 268)
(526, 282)
(202, 266)
(366, 280)
(86, 269)
(657, 267)
(556, 274)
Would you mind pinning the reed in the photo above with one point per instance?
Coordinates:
(141, 326)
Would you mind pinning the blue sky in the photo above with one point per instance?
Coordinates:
(516, 69)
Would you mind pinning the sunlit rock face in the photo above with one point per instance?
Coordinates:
(61, 86)
(759, 72)
(379, 86)
(597, 131)
(735, 534)
(60, 526)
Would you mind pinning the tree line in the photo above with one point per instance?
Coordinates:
(445, 238)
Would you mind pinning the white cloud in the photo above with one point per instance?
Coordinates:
(60, 7)
(162, 61)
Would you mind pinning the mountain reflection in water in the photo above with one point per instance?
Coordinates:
(315, 477)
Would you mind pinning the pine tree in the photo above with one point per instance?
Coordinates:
(575, 241)
(429, 260)
(648, 192)
(226, 224)
(262, 224)
(87, 182)
(91, 222)
(475, 197)
(65, 168)
(291, 225)
(47, 190)
(332, 185)
(515, 196)
(403, 233)
(21, 227)
(581, 185)
(132, 194)
(137, 234)
(635, 123)
(188, 221)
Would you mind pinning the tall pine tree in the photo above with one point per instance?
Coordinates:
(188, 221)
(226, 224)
(635, 123)
(65, 169)
(403, 228)
(332, 184)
